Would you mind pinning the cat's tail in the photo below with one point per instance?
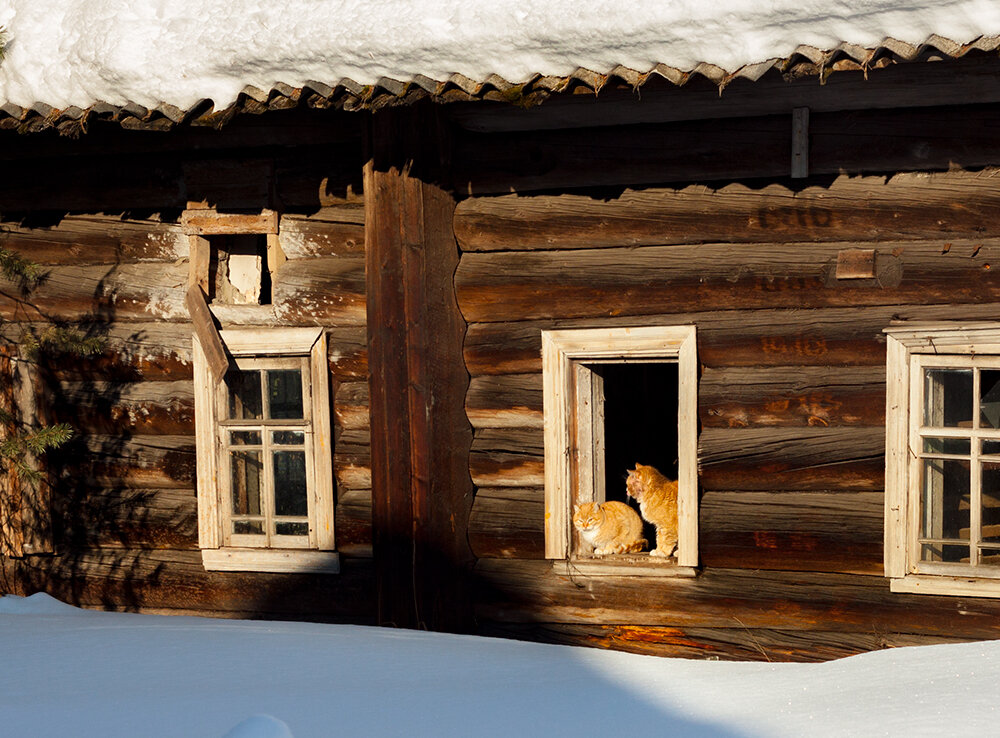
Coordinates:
(638, 547)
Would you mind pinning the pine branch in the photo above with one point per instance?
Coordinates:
(59, 340)
(18, 269)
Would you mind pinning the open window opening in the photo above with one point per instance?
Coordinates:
(239, 269)
(636, 412)
(616, 399)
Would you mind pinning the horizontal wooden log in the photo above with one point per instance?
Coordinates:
(724, 644)
(791, 396)
(131, 352)
(895, 140)
(127, 517)
(352, 459)
(353, 522)
(348, 352)
(843, 459)
(530, 592)
(792, 531)
(508, 522)
(143, 462)
(735, 398)
(137, 408)
(322, 291)
(103, 293)
(508, 401)
(350, 405)
(784, 337)
(328, 232)
(144, 580)
(507, 457)
(93, 239)
(865, 209)
(515, 286)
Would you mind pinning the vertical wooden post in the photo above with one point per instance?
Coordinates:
(420, 434)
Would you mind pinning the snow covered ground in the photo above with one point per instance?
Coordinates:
(73, 672)
(78, 52)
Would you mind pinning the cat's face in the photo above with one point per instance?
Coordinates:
(635, 483)
(587, 516)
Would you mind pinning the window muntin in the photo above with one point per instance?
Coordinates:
(955, 484)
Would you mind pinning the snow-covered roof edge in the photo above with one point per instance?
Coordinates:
(347, 94)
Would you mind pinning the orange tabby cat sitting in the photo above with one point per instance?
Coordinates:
(610, 527)
(657, 498)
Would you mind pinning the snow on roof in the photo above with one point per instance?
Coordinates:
(175, 55)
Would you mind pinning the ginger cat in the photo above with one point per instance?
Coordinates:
(610, 527)
(657, 498)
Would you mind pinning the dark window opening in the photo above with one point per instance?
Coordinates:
(640, 424)
(239, 273)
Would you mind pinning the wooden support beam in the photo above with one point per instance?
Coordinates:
(208, 334)
(420, 435)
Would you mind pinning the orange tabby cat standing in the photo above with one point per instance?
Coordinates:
(657, 498)
(610, 527)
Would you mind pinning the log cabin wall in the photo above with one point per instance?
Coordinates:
(698, 222)
(101, 215)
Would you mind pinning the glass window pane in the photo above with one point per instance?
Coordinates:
(991, 448)
(246, 470)
(989, 398)
(248, 527)
(948, 398)
(946, 552)
(947, 446)
(990, 513)
(945, 501)
(285, 393)
(291, 529)
(290, 483)
(989, 557)
(244, 395)
(244, 438)
(288, 438)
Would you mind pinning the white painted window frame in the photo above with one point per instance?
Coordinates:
(265, 343)
(908, 348)
(573, 406)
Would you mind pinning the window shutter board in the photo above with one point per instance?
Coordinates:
(208, 334)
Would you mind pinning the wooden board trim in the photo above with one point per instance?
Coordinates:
(276, 561)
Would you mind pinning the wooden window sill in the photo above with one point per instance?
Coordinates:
(271, 560)
(946, 585)
(623, 565)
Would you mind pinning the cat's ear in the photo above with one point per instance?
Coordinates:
(576, 508)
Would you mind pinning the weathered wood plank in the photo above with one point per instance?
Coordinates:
(866, 209)
(112, 408)
(736, 643)
(93, 239)
(895, 86)
(791, 396)
(781, 337)
(529, 591)
(904, 139)
(792, 531)
(324, 290)
(420, 437)
(142, 580)
(329, 232)
(514, 286)
(354, 522)
(106, 292)
(144, 462)
(792, 458)
(508, 522)
(508, 457)
(132, 352)
(350, 405)
(507, 401)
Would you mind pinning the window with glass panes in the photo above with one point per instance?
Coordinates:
(955, 463)
(265, 456)
(266, 437)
